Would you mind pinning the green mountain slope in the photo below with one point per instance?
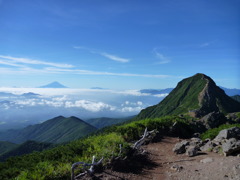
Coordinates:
(6, 146)
(26, 148)
(104, 121)
(56, 163)
(197, 95)
(56, 130)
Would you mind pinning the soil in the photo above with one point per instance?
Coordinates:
(162, 164)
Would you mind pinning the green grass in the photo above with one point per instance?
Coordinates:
(56, 163)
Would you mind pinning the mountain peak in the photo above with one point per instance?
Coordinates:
(54, 84)
(197, 96)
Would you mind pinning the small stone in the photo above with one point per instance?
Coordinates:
(176, 167)
(207, 160)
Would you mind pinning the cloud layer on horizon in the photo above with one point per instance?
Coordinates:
(83, 103)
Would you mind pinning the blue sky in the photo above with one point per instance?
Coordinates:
(118, 44)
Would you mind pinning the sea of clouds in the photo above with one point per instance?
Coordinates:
(24, 106)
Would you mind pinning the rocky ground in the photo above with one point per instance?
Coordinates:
(164, 164)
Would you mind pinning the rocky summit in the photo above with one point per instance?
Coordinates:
(196, 96)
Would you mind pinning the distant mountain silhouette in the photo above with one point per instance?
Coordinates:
(30, 94)
(56, 130)
(197, 95)
(105, 121)
(231, 92)
(156, 91)
(54, 84)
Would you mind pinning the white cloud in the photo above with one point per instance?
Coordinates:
(163, 59)
(89, 105)
(115, 58)
(4, 62)
(161, 95)
(131, 109)
(36, 62)
(2, 122)
(139, 103)
(104, 54)
(89, 72)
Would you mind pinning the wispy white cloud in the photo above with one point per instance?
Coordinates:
(104, 54)
(205, 44)
(54, 70)
(32, 61)
(163, 59)
(5, 62)
(88, 72)
(23, 66)
(115, 58)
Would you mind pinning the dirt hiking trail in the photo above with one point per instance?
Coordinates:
(163, 164)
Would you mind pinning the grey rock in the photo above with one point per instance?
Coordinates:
(213, 119)
(180, 147)
(176, 167)
(233, 117)
(196, 142)
(196, 135)
(231, 146)
(207, 160)
(216, 149)
(209, 146)
(192, 151)
(233, 132)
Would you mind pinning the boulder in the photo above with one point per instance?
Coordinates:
(231, 146)
(180, 147)
(209, 146)
(192, 151)
(197, 142)
(213, 120)
(233, 132)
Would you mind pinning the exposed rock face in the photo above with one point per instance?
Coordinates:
(197, 95)
(213, 119)
(213, 99)
(233, 117)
